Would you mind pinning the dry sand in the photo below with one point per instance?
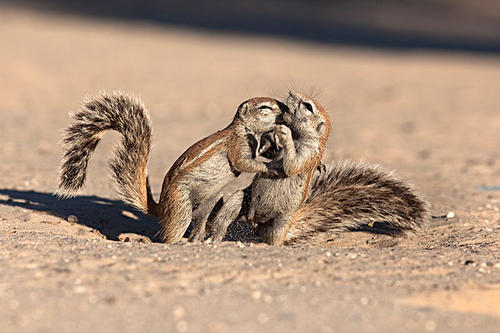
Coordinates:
(432, 117)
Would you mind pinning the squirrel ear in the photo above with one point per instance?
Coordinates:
(321, 128)
(244, 109)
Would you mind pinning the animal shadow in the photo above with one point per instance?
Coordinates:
(110, 217)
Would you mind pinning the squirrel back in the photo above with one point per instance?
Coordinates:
(356, 196)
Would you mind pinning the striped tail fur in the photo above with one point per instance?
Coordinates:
(356, 196)
(126, 115)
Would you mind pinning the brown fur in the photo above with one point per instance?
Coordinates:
(275, 200)
(356, 196)
(347, 196)
(121, 113)
(193, 184)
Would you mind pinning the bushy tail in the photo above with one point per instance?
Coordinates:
(355, 196)
(126, 115)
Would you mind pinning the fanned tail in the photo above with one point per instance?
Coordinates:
(126, 115)
(356, 196)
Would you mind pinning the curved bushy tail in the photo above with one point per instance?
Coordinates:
(356, 196)
(126, 115)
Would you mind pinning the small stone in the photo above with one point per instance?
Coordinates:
(179, 312)
(256, 295)
(133, 238)
(328, 254)
(79, 289)
(72, 219)
(450, 215)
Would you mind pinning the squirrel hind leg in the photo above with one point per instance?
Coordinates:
(275, 231)
(200, 217)
(176, 214)
(228, 213)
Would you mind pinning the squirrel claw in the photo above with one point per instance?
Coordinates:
(321, 167)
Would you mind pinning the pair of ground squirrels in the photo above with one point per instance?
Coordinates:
(290, 202)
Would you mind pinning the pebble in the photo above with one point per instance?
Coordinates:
(79, 289)
(179, 312)
(328, 254)
(256, 295)
(72, 219)
(450, 215)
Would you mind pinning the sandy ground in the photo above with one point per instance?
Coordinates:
(432, 117)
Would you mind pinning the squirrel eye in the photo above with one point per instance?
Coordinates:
(265, 107)
(308, 106)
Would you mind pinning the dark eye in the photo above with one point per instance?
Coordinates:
(265, 107)
(308, 106)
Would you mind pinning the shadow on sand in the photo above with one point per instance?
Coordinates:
(110, 217)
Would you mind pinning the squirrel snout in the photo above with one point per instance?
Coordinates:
(285, 117)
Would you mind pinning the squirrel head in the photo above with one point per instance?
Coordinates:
(307, 116)
(261, 114)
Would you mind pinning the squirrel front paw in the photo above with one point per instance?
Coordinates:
(282, 135)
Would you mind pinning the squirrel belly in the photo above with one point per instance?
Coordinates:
(356, 196)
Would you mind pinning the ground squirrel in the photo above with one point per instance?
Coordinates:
(275, 200)
(193, 184)
(344, 196)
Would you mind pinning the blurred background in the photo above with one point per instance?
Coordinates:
(408, 84)
(399, 24)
